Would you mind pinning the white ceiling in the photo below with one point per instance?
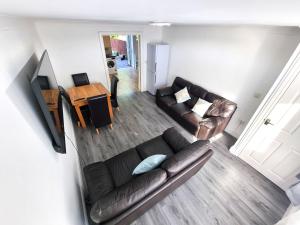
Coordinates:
(269, 12)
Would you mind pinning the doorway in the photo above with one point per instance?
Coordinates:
(122, 53)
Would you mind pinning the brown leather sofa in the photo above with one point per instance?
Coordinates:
(118, 197)
(214, 121)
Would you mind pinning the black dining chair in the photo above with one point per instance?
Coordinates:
(43, 82)
(99, 111)
(114, 89)
(66, 96)
(80, 79)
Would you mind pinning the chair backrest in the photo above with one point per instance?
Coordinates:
(65, 94)
(99, 110)
(114, 87)
(80, 79)
(43, 82)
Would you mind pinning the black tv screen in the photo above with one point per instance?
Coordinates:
(46, 91)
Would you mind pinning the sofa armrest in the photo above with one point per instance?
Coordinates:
(212, 122)
(164, 92)
(185, 157)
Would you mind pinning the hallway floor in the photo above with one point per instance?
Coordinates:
(128, 81)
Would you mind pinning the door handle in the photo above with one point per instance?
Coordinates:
(267, 122)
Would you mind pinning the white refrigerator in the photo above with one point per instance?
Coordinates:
(157, 66)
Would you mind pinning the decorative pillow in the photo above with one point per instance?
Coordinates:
(148, 164)
(201, 107)
(182, 95)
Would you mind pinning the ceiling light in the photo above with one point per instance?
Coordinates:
(160, 24)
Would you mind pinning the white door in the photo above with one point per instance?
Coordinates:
(274, 150)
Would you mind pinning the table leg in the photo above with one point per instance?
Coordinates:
(80, 116)
(110, 108)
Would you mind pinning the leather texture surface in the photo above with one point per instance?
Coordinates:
(182, 112)
(119, 197)
(99, 111)
(114, 91)
(175, 140)
(154, 146)
(128, 216)
(196, 92)
(127, 195)
(182, 159)
(80, 79)
(165, 91)
(180, 83)
(98, 179)
(180, 109)
(121, 166)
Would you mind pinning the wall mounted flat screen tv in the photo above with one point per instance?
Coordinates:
(46, 91)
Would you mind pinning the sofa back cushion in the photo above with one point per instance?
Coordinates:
(180, 83)
(154, 146)
(185, 157)
(175, 140)
(196, 92)
(121, 166)
(98, 179)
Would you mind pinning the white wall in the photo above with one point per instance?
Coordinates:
(74, 47)
(38, 185)
(237, 62)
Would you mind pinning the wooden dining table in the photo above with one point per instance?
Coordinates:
(80, 94)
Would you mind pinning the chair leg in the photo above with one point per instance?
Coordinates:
(97, 130)
(110, 126)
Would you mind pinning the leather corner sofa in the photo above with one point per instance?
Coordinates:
(118, 197)
(214, 121)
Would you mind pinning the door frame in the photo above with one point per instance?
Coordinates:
(101, 34)
(279, 87)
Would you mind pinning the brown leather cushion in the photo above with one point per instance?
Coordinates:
(196, 92)
(180, 109)
(180, 83)
(154, 146)
(222, 108)
(185, 157)
(193, 118)
(121, 166)
(211, 97)
(176, 141)
(168, 100)
(98, 179)
(127, 195)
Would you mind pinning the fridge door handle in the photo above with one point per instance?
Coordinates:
(155, 68)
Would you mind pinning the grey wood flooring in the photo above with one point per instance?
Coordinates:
(226, 191)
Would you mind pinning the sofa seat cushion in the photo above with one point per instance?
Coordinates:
(175, 139)
(180, 109)
(127, 195)
(153, 147)
(168, 100)
(191, 122)
(184, 158)
(98, 179)
(121, 166)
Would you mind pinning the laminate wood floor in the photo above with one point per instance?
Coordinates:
(226, 191)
